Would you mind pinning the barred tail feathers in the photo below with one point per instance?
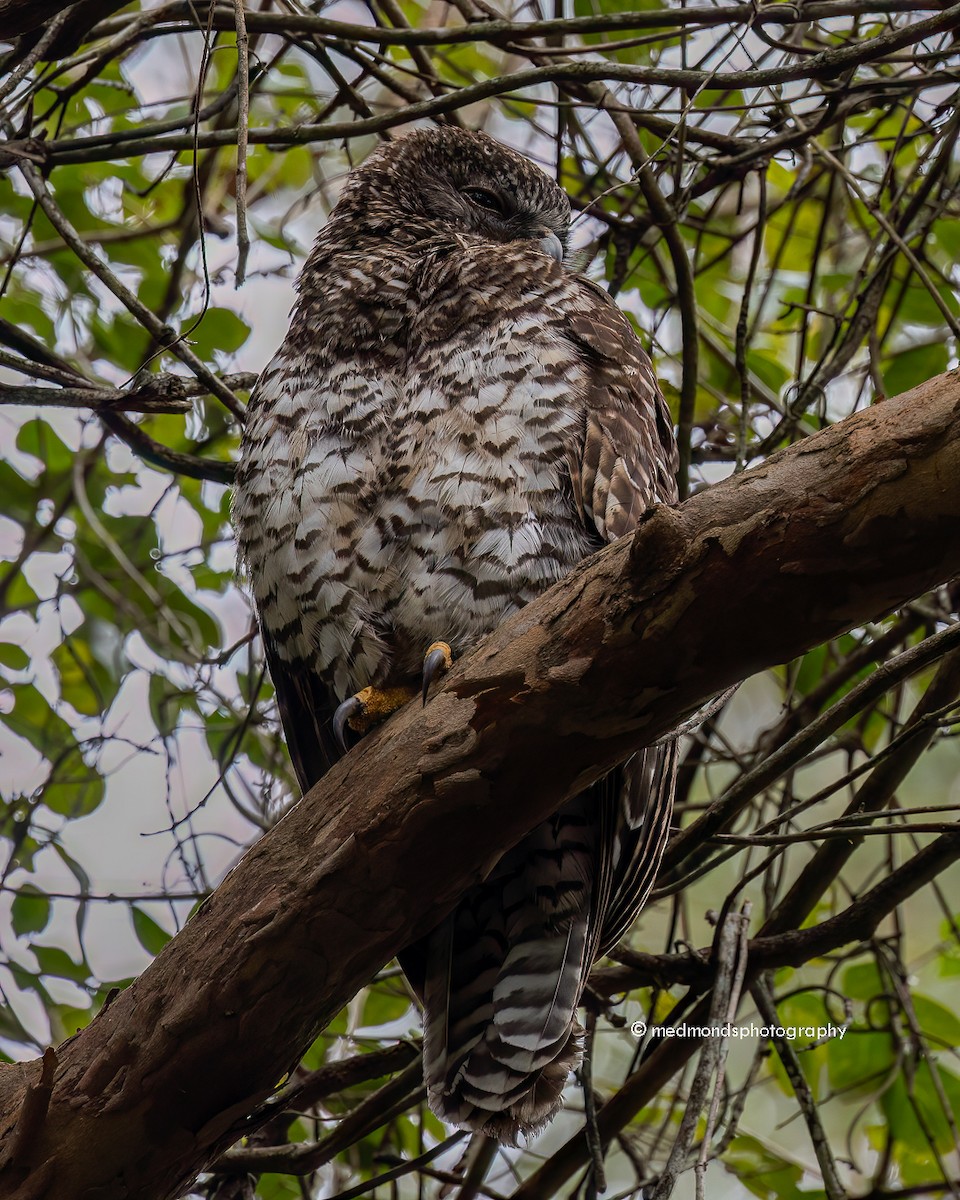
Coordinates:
(497, 1060)
(504, 978)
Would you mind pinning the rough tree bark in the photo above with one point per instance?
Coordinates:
(835, 531)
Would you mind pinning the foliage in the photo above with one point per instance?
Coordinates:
(772, 193)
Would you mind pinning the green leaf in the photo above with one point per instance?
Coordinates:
(163, 707)
(54, 961)
(119, 340)
(83, 879)
(914, 366)
(151, 936)
(11, 1028)
(75, 793)
(84, 682)
(66, 1020)
(911, 1106)
(861, 1059)
(810, 669)
(19, 496)
(937, 1021)
(200, 632)
(278, 1187)
(769, 369)
(21, 310)
(219, 329)
(948, 235)
(33, 718)
(14, 657)
(36, 437)
(919, 306)
(30, 911)
(383, 1007)
(948, 960)
(763, 1172)
(863, 982)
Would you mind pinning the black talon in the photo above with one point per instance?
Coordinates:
(349, 708)
(436, 663)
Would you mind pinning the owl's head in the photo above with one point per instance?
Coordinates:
(454, 181)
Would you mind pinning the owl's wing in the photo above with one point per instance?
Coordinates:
(266, 512)
(627, 458)
(629, 868)
(306, 708)
(624, 463)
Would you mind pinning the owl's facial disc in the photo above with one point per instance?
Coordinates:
(509, 212)
(461, 182)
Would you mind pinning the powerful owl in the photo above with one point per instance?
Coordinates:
(454, 421)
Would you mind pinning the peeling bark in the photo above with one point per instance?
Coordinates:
(834, 531)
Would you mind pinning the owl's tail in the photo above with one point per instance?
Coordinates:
(501, 1043)
(503, 979)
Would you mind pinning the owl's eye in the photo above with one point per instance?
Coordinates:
(486, 198)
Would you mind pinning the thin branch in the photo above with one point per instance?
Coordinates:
(723, 1005)
(722, 811)
(175, 461)
(396, 1096)
(500, 30)
(871, 797)
(828, 65)
(243, 131)
(760, 990)
(735, 990)
(29, 60)
(404, 1168)
(166, 336)
(95, 398)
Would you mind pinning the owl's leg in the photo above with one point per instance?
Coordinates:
(436, 662)
(368, 708)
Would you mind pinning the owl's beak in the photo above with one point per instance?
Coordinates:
(551, 244)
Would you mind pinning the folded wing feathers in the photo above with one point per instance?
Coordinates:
(648, 786)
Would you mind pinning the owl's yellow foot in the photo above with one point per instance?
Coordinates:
(436, 662)
(368, 708)
(372, 705)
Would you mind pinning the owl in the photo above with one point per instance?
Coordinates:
(454, 421)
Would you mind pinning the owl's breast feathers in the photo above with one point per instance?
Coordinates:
(405, 469)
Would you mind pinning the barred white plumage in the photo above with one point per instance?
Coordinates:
(453, 422)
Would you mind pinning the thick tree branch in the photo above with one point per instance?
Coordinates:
(835, 531)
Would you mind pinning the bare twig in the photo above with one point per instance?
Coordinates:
(760, 990)
(32, 57)
(243, 124)
(829, 64)
(730, 969)
(742, 921)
